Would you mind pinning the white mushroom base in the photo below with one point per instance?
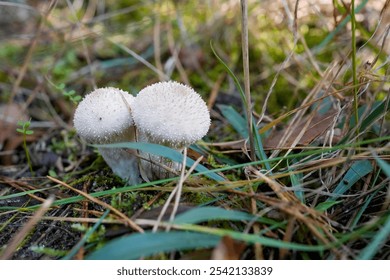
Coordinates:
(123, 163)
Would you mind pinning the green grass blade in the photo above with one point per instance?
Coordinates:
(203, 214)
(358, 170)
(363, 208)
(83, 240)
(378, 110)
(231, 74)
(252, 238)
(162, 151)
(323, 206)
(209, 213)
(383, 165)
(260, 148)
(377, 242)
(239, 124)
(146, 244)
(235, 119)
(296, 184)
(14, 195)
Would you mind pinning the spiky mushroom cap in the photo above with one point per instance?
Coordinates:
(104, 116)
(170, 113)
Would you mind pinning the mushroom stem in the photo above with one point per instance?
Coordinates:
(123, 163)
(154, 167)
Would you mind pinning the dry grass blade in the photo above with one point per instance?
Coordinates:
(101, 203)
(291, 206)
(19, 237)
(279, 190)
(245, 57)
(174, 192)
(179, 187)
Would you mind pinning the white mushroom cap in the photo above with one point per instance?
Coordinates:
(104, 116)
(171, 113)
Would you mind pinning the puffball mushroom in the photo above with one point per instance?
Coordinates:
(170, 114)
(104, 117)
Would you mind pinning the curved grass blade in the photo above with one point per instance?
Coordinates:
(163, 151)
(383, 165)
(146, 244)
(239, 124)
(231, 74)
(260, 148)
(364, 207)
(323, 206)
(358, 170)
(208, 213)
(377, 242)
(378, 110)
(235, 119)
(252, 238)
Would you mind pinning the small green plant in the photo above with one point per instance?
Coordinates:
(24, 129)
(71, 94)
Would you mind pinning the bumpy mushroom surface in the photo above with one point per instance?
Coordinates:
(170, 114)
(104, 117)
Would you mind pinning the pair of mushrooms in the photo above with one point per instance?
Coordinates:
(165, 113)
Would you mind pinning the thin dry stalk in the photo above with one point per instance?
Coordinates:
(245, 57)
(256, 228)
(174, 191)
(282, 66)
(311, 218)
(179, 188)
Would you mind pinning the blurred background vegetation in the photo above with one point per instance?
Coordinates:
(52, 53)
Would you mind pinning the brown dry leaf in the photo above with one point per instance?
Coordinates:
(228, 249)
(318, 125)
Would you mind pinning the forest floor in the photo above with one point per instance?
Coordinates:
(307, 178)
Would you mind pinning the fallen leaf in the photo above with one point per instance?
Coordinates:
(318, 125)
(228, 249)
